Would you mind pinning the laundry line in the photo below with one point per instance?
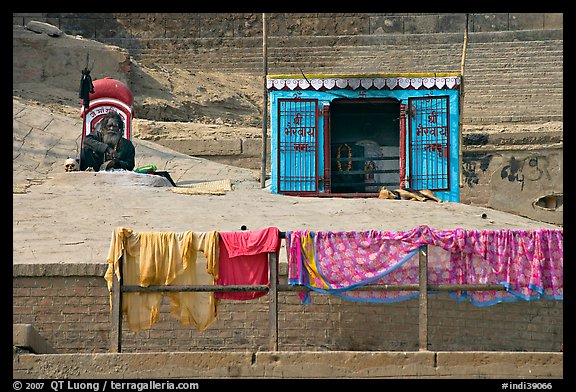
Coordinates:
(272, 291)
(293, 288)
(541, 248)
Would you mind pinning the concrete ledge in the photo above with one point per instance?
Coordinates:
(539, 138)
(25, 336)
(53, 269)
(500, 364)
(204, 146)
(346, 364)
(294, 364)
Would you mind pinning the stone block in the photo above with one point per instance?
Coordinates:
(253, 147)
(553, 21)
(42, 27)
(217, 25)
(452, 23)
(181, 28)
(489, 22)
(500, 364)
(386, 25)
(204, 147)
(425, 24)
(25, 336)
(526, 21)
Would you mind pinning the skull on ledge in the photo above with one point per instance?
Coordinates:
(71, 165)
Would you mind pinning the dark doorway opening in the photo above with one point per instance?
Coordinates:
(364, 145)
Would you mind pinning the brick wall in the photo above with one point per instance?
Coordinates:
(72, 314)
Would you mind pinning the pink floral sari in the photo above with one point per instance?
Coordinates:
(527, 263)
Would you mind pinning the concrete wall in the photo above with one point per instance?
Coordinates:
(122, 26)
(198, 367)
(69, 306)
(509, 175)
(243, 152)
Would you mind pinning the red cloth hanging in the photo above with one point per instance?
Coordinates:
(244, 260)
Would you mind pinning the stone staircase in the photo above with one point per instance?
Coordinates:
(513, 65)
(514, 81)
(509, 77)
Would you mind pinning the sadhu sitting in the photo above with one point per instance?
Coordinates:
(106, 148)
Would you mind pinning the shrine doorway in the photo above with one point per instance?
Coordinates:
(364, 139)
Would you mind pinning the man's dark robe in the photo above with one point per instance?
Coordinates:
(93, 153)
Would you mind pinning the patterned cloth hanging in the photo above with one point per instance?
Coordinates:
(527, 263)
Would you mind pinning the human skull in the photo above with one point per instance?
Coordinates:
(70, 165)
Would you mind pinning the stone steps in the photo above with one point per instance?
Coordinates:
(520, 119)
(520, 95)
(474, 60)
(509, 76)
(496, 49)
(510, 39)
(473, 70)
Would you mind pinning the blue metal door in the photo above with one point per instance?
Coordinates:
(297, 145)
(429, 143)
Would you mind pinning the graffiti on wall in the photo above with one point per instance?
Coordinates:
(470, 165)
(532, 168)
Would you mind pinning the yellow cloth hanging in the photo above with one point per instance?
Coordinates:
(307, 244)
(165, 258)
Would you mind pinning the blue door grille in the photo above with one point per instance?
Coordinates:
(297, 145)
(429, 143)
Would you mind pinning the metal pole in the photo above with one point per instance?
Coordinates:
(265, 105)
(116, 311)
(273, 302)
(423, 298)
(196, 288)
(461, 102)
